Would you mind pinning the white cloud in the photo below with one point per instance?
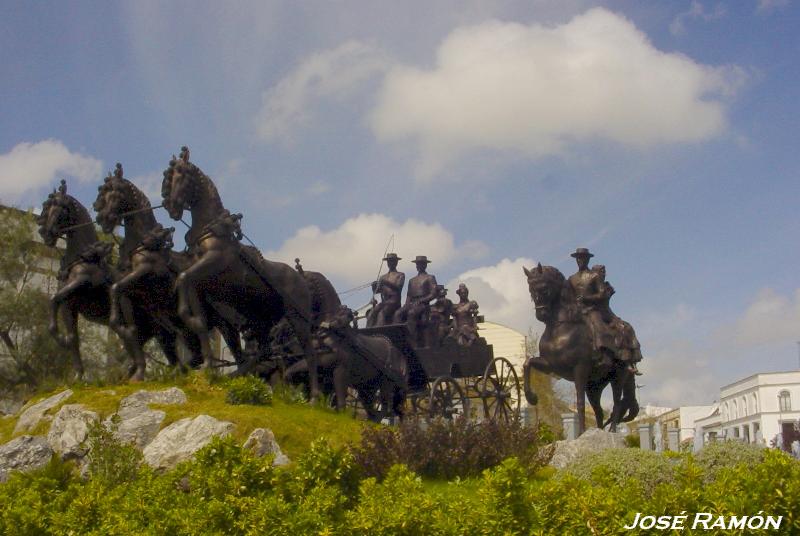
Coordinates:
(333, 73)
(30, 166)
(150, 185)
(696, 11)
(534, 90)
(502, 294)
(352, 252)
(318, 188)
(677, 374)
(766, 6)
(770, 318)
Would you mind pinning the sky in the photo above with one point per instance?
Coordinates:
(486, 135)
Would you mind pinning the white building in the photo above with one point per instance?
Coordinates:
(758, 408)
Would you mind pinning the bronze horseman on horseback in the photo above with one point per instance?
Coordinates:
(578, 344)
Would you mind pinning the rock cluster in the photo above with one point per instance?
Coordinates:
(592, 440)
(134, 422)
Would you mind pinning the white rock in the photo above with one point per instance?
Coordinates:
(31, 416)
(138, 401)
(9, 407)
(139, 429)
(24, 453)
(69, 430)
(592, 440)
(180, 440)
(262, 442)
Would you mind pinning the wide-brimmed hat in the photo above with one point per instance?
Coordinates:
(391, 257)
(421, 258)
(581, 252)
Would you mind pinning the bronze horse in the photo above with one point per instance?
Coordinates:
(371, 364)
(566, 350)
(148, 268)
(259, 291)
(84, 276)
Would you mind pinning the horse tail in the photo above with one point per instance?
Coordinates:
(629, 395)
(527, 380)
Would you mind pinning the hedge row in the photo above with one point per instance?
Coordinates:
(226, 490)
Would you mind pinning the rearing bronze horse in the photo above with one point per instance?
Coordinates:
(260, 291)
(84, 278)
(148, 268)
(567, 351)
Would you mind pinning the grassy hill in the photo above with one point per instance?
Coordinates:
(295, 425)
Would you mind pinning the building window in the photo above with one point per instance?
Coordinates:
(755, 403)
(785, 401)
(744, 407)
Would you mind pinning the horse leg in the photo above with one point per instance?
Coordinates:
(118, 289)
(619, 402)
(593, 392)
(527, 377)
(189, 303)
(340, 385)
(231, 337)
(61, 296)
(301, 329)
(71, 341)
(581, 378)
(168, 340)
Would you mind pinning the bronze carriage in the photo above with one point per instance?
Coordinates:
(445, 378)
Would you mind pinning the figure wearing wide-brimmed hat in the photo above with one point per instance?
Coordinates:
(421, 291)
(590, 293)
(390, 287)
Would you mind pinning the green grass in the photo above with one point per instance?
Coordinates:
(295, 425)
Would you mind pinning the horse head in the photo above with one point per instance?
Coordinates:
(112, 201)
(545, 284)
(158, 239)
(56, 216)
(179, 189)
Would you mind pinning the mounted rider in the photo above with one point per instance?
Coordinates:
(589, 291)
(629, 349)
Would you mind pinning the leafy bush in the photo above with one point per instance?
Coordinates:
(248, 390)
(721, 454)
(645, 469)
(448, 449)
(111, 461)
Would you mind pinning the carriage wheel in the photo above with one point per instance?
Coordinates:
(501, 392)
(418, 404)
(447, 399)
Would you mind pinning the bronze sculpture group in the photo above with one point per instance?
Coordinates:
(271, 308)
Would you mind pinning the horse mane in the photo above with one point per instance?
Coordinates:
(62, 198)
(204, 181)
(124, 187)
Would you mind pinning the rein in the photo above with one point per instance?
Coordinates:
(129, 213)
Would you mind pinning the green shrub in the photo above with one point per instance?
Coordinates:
(448, 448)
(645, 469)
(248, 390)
(111, 461)
(721, 454)
(633, 441)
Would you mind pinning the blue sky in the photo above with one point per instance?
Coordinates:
(485, 135)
